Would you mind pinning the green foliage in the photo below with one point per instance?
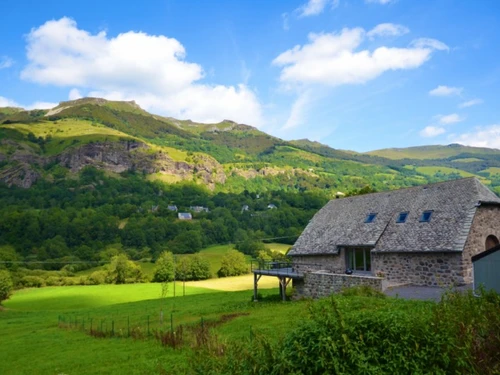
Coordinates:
(233, 264)
(362, 291)
(121, 270)
(6, 285)
(200, 267)
(164, 268)
(250, 246)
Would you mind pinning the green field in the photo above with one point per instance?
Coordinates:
(29, 326)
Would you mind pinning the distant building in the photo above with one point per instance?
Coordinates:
(244, 208)
(271, 206)
(154, 208)
(199, 209)
(185, 216)
(172, 208)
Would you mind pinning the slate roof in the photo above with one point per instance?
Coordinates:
(342, 221)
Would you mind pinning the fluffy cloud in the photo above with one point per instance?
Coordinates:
(431, 131)
(74, 94)
(315, 7)
(150, 69)
(5, 102)
(450, 119)
(430, 43)
(334, 59)
(470, 103)
(487, 136)
(6, 62)
(446, 91)
(387, 29)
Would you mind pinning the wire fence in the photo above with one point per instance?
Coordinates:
(195, 332)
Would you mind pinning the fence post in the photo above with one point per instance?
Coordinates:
(172, 323)
(83, 324)
(91, 320)
(112, 328)
(128, 326)
(102, 322)
(202, 325)
(148, 325)
(251, 334)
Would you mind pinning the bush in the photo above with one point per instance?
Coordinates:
(97, 278)
(121, 271)
(164, 268)
(200, 268)
(32, 282)
(233, 264)
(362, 291)
(6, 285)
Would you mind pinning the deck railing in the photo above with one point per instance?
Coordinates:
(284, 267)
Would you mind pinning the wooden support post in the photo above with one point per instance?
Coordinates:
(255, 281)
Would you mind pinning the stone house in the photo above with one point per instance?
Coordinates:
(184, 216)
(424, 235)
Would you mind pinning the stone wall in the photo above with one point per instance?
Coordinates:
(334, 263)
(322, 284)
(486, 222)
(433, 269)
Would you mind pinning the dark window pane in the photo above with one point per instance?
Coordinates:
(368, 260)
(359, 258)
(402, 217)
(370, 218)
(426, 216)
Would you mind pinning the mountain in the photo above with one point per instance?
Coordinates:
(120, 137)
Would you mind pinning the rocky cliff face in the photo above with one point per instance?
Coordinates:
(23, 166)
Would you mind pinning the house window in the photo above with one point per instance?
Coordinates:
(359, 259)
(402, 217)
(370, 217)
(426, 217)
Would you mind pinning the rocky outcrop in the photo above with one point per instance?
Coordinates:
(116, 157)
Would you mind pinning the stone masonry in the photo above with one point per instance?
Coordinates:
(323, 284)
(486, 222)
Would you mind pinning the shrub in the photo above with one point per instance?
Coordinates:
(233, 264)
(362, 291)
(164, 268)
(200, 267)
(6, 285)
(32, 282)
(121, 270)
(97, 278)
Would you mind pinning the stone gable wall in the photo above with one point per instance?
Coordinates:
(486, 222)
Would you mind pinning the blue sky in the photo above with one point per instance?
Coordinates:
(353, 74)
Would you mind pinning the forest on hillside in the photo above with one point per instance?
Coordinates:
(93, 218)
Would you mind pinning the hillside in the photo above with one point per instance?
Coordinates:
(121, 137)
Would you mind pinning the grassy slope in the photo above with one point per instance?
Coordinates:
(430, 152)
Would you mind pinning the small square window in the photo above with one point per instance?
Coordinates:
(402, 217)
(370, 217)
(426, 217)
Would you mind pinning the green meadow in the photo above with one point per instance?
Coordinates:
(34, 343)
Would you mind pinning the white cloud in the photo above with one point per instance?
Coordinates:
(5, 102)
(150, 69)
(333, 59)
(41, 105)
(382, 2)
(485, 136)
(470, 103)
(299, 109)
(6, 62)
(430, 43)
(446, 91)
(387, 29)
(431, 131)
(74, 94)
(315, 7)
(450, 119)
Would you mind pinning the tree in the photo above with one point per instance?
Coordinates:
(200, 267)
(233, 264)
(5, 284)
(121, 270)
(183, 270)
(164, 268)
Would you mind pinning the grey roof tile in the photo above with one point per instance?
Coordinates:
(342, 221)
